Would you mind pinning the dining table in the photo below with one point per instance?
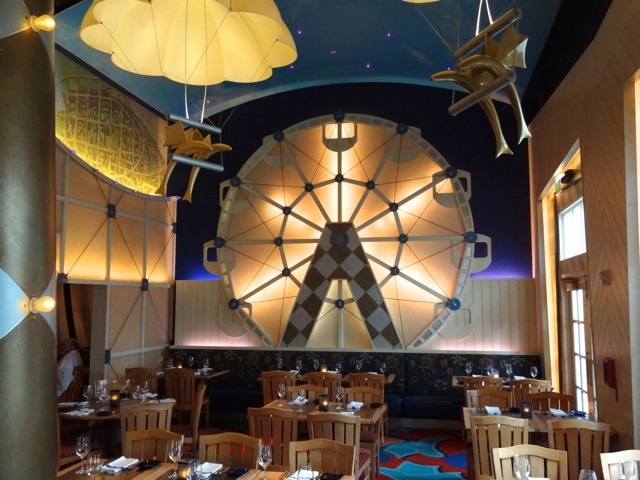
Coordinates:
(369, 414)
(164, 470)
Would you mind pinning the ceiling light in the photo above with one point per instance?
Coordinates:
(195, 43)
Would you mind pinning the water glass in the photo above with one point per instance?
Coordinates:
(587, 475)
(468, 367)
(534, 371)
(521, 467)
(94, 465)
(264, 457)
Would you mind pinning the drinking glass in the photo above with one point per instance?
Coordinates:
(126, 388)
(383, 368)
(102, 394)
(282, 391)
(306, 471)
(316, 363)
(339, 396)
(191, 361)
(628, 470)
(534, 371)
(468, 367)
(264, 457)
(358, 365)
(83, 446)
(588, 474)
(94, 465)
(279, 362)
(87, 392)
(206, 364)
(145, 389)
(298, 364)
(521, 467)
(161, 362)
(338, 367)
(175, 454)
(170, 363)
(488, 368)
(509, 369)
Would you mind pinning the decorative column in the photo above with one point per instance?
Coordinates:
(27, 243)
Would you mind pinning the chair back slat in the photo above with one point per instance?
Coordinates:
(544, 462)
(276, 426)
(230, 449)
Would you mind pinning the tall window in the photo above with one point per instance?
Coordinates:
(581, 351)
(572, 231)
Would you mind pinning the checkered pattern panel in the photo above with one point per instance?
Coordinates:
(340, 256)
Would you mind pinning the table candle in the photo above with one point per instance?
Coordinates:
(179, 364)
(495, 373)
(323, 401)
(114, 399)
(526, 408)
(323, 368)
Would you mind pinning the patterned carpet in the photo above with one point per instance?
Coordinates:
(413, 454)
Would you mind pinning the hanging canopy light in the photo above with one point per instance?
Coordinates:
(203, 42)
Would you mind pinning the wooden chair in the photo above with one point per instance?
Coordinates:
(371, 436)
(546, 400)
(373, 380)
(145, 416)
(148, 444)
(271, 380)
(522, 389)
(230, 449)
(180, 384)
(312, 391)
(190, 432)
(545, 462)
(344, 429)
(610, 461)
(583, 441)
(323, 454)
(138, 375)
(325, 379)
(277, 426)
(473, 383)
(494, 431)
(73, 393)
(489, 397)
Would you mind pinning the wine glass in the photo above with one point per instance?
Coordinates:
(534, 371)
(521, 467)
(339, 396)
(383, 368)
(590, 474)
(87, 392)
(206, 364)
(191, 361)
(509, 369)
(316, 363)
(468, 367)
(264, 457)
(126, 388)
(282, 391)
(94, 465)
(102, 394)
(170, 363)
(279, 362)
(298, 364)
(359, 365)
(488, 369)
(83, 446)
(175, 454)
(145, 389)
(628, 470)
(338, 367)
(161, 362)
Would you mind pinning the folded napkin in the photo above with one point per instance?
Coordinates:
(118, 464)
(343, 412)
(167, 400)
(304, 475)
(83, 412)
(557, 412)
(67, 404)
(355, 405)
(148, 396)
(519, 377)
(298, 401)
(207, 467)
(493, 410)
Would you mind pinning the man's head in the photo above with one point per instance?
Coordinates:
(68, 345)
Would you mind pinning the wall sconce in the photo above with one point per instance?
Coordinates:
(41, 305)
(43, 22)
(526, 407)
(323, 402)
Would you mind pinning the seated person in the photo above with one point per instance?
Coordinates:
(69, 359)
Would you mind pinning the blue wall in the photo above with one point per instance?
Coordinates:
(500, 186)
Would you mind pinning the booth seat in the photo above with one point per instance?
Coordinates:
(422, 388)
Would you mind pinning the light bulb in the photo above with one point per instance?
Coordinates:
(43, 22)
(42, 304)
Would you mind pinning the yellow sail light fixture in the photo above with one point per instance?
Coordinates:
(202, 42)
